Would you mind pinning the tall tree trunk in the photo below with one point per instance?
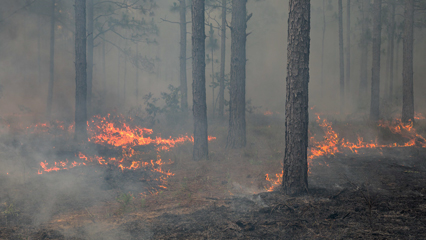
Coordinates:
(125, 74)
(363, 83)
(52, 61)
(397, 59)
(222, 61)
(341, 60)
(322, 47)
(80, 72)
(348, 48)
(39, 48)
(387, 71)
(182, 57)
(295, 171)
(212, 51)
(137, 72)
(199, 81)
(407, 65)
(375, 73)
(90, 45)
(118, 78)
(237, 100)
(104, 80)
(392, 48)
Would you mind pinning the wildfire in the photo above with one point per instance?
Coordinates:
(418, 116)
(117, 132)
(331, 143)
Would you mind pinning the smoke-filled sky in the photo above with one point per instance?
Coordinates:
(25, 41)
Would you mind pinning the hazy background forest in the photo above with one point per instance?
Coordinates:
(142, 165)
(26, 31)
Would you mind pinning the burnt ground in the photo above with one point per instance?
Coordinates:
(376, 194)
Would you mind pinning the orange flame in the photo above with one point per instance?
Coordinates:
(115, 131)
(332, 144)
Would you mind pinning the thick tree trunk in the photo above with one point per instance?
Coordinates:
(222, 61)
(407, 64)
(182, 57)
(199, 81)
(90, 45)
(391, 52)
(341, 60)
(295, 172)
(375, 73)
(52, 61)
(237, 101)
(348, 48)
(80, 72)
(322, 47)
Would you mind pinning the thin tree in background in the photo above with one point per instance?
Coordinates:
(375, 78)
(364, 44)
(39, 48)
(237, 102)
(199, 81)
(407, 63)
(222, 61)
(137, 73)
(80, 72)
(295, 171)
(391, 48)
(348, 47)
(341, 60)
(213, 46)
(90, 46)
(322, 48)
(52, 61)
(104, 81)
(182, 56)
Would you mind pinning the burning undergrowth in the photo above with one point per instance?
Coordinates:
(125, 151)
(330, 142)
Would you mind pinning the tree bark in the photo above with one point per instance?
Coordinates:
(199, 81)
(237, 101)
(375, 78)
(52, 61)
(348, 48)
(222, 62)
(392, 48)
(90, 46)
(295, 172)
(363, 83)
(341, 60)
(182, 57)
(407, 64)
(80, 72)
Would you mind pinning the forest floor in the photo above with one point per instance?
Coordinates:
(372, 194)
